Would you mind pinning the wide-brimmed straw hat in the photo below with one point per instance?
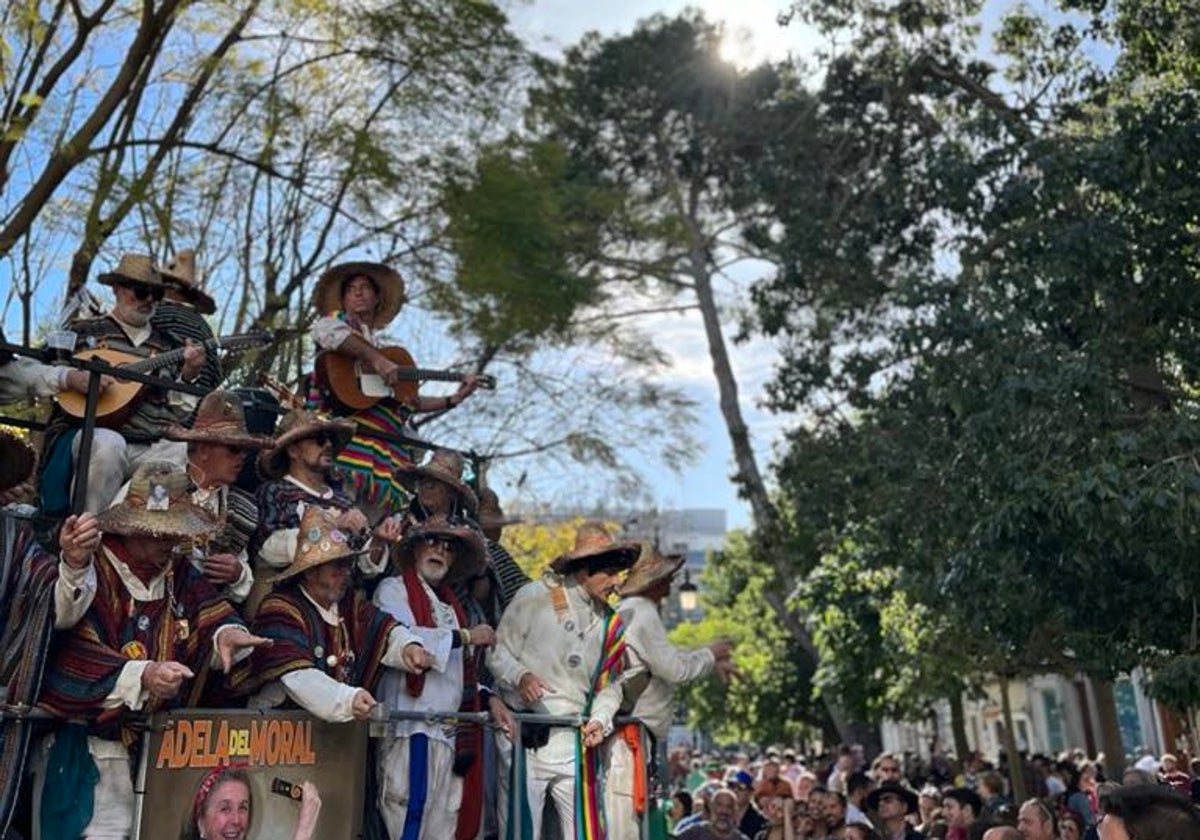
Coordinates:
(327, 296)
(318, 541)
(158, 504)
(596, 549)
(221, 419)
(183, 279)
(299, 424)
(651, 568)
(446, 466)
(896, 789)
(470, 551)
(17, 460)
(134, 268)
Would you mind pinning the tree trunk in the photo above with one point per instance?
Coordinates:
(1010, 744)
(958, 726)
(1110, 729)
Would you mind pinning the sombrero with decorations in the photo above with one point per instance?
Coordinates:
(298, 424)
(470, 551)
(221, 419)
(158, 504)
(596, 549)
(651, 568)
(318, 541)
(183, 281)
(327, 296)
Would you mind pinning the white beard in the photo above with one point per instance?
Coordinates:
(432, 573)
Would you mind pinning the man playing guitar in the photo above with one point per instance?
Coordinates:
(356, 300)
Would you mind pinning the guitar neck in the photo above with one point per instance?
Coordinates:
(170, 357)
(431, 375)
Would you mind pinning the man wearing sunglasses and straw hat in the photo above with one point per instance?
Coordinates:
(430, 773)
(331, 643)
(650, 693)
(154, 623)
(560, 650)
(301, 473)
(137, 286)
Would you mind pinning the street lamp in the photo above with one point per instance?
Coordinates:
(688, 593)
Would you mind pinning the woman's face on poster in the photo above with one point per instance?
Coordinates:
(226, 814)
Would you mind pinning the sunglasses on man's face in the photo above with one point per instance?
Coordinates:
(322, 438)
(145, 292)
(438, 542)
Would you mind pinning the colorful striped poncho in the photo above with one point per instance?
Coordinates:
(86, 660)
(278, 504)
(351, 653)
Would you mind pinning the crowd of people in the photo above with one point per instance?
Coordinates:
(781, 795)
(357, 574)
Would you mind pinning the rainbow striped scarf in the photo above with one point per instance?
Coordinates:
(589, 808)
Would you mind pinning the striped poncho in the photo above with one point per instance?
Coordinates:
(86, 660)
(351, 653)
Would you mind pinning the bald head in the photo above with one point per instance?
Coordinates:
(1002, 832)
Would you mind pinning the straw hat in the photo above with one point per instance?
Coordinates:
(133, 268)
(318, 542)
(299, 424)
(221, 419)
(470, 552)
(592, 544)
(327, 296)
(446, 466)
(158, 505)
(651, 568)
(17, 460)
(181, 277)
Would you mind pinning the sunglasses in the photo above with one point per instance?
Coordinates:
(438, 542)
(145, 292)
(323, 438)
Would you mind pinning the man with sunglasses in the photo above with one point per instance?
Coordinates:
(137, 287)
(299, 473)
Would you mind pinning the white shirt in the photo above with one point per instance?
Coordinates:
(443, 682)
(562, 650)
(668, 665)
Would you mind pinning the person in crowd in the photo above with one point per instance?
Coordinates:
(651, 699)
(1036, 821)
(722, 822)
(1146, 761)
(217, 445)
(1070, 826)
(154, 624)
(1002, 832)
(886, 768)
(961, 807)
(331, 644)
(1148, 812)
(355, 301)
(25, 378)
(893, 803)
(224, 807)
(843, 767)
(422, 765)
(858, 787)
(680, 807)
(789, 767)
(137, 287)
(830, 812)
(749, 820)
(181, 311)
(805, 782)
(300, 474)
(701, 800)
(509, 575)
(929, 808)
(1080, 790)
(1172, 776)
(773, 799)
(991, 790)
(858, 831)
(560, 650)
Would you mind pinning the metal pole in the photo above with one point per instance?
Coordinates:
(83, 464)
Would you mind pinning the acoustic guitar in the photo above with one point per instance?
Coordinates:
(354, 387)
(117, 401)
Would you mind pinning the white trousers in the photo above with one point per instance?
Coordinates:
(113, 461)
(113, 800)
(444, 792)
(556, 780)
(618, 792)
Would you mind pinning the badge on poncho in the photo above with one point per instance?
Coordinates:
(337, 536)
(574, 660)
(318, 651)
(133, 650)
(159, 499)
(143, 623)
(314, 534)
